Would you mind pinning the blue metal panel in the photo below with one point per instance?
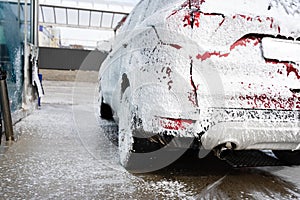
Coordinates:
(11, 48)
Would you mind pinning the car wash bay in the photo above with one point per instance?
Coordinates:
(62, 152)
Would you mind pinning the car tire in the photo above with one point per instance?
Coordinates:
(125, 133)
(105, 111)
(141, 151)
(288, 157)
(134, 149)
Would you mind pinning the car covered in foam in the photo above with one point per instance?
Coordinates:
(209, 74)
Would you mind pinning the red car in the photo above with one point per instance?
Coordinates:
(209, 74)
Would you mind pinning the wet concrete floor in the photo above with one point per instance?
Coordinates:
(62, 153)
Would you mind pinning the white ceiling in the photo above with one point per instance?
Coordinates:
(109, 5)
(78, 18)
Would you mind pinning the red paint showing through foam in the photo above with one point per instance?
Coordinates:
(176, 46)
(241, 42)
(290, 67)
(274, 102)
(193, 95)
(221, 23)
(207, 55)
(245, 41)
(192, 19)
(259, 19)
(188, 4)
(175, 124)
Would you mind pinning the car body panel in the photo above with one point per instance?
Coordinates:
(189, 62)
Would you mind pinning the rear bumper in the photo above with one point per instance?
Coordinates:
(254, 135)
(247, 129)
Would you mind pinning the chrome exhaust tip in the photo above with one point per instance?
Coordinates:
(224, 150)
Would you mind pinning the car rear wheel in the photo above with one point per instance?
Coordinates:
(125, 133)
(288, 157)
(137, 152)
(105, 111)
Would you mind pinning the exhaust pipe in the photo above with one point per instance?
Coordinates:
(224, 150)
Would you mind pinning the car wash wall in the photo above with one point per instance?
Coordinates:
(12, 32)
